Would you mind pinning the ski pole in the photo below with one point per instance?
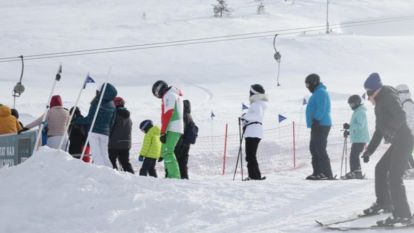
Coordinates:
(241, 148)
(238, 155)
(96, 112)
(39, 134)
(343, 154)
(65, 133)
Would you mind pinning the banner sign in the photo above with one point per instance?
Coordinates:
(16, 148)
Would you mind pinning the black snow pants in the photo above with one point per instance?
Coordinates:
(320, 158)
(354, 160)
(252, 164)
(181, 153)
(148, 167)
(389, 171)
(123, 157)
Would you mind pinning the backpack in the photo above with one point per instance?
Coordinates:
(190, 133)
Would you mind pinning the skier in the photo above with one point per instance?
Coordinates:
(77, 137)
(172, 125)
(188, 138)
(99, 136)
(358, 130)
(253, 129)
(151, 148)
(391, 126)
(15, 113)
(318, 118)
(408, 106)
(57, 118)
(120, 137)
(8, 123)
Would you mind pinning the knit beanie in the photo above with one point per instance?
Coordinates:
(373, 82)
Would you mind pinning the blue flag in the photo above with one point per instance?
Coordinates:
(88, 79)
(212, 115)
(244, 107)
(281, 118)
(304, 102)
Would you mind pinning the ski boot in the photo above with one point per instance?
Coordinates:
(354, 175)
(391, 221)
(377, 208)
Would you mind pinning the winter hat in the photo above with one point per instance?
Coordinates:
(56, 101)
(312, 81)
(372, 83)
(354, 101)
(256, 89)
(119, 102)
(145, 125)
(15, 113)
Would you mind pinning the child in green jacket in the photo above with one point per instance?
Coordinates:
(151, 148)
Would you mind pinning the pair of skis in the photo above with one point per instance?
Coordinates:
(337, 224)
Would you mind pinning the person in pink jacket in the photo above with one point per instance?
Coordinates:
(57, 118)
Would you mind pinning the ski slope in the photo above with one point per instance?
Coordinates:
(53, 193)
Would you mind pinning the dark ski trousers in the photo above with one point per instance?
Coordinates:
(181, 152)
(123, 157)
(318, 142)
(148, 167)
(354, 160)
(389, 171)
(252, 164)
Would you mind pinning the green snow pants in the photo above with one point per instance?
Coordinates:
(170, 161)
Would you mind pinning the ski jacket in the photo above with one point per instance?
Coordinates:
(186, 138)
(319, 107)
(151, 148)
(253, 119)
(359, 126)
(57, 117)
(8, 123)
(120, 137)
(408, 106)
(106, 113)
(172, 111)
(390, 116)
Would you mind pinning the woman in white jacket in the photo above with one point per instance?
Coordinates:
(408, 106)
(253, 129)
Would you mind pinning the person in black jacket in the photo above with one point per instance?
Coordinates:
(120, 137)
(183, 145)
(391, 126)
(77, 135)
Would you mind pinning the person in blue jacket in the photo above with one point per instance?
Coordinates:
(318, 119)
(358, 131)
(99, 137)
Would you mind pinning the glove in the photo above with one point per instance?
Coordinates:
(389, 137)
(163, 138)
(365, 156)
(141, 158)
(160, 159)
(22, 130)
(346, 126)
(346, 133)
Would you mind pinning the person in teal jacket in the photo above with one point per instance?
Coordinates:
(358, 131)
(318, 118)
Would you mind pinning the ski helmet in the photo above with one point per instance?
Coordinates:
(159, 88)
(402, 89)
(354, 101)
(119, 102)
(145, 125)
(256, 89)
(312, 81)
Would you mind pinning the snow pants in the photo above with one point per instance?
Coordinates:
(181, 152)
(122, 155)
(354, 160)
(252, 165)
(99, 149)
(317, 146)
(167, 150)
(389, 171)
(148, 167)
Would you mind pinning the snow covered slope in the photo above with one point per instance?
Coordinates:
(52, 193)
